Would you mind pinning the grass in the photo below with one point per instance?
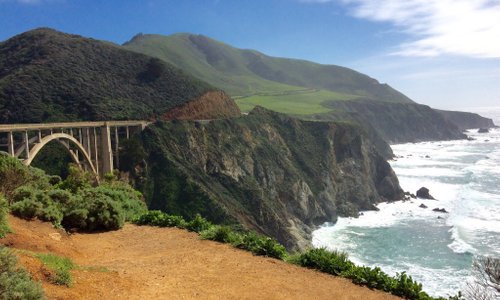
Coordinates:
(295, 103)
(60, 265)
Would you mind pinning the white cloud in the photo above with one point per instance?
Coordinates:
(436, 27)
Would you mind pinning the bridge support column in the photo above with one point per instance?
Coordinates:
(27, 144)
(10, 143)
(106, 150)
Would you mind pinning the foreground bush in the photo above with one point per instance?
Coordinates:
(16, 283)
(74, 203)
(4, 208)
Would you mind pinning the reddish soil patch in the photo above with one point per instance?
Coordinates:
(168, 263)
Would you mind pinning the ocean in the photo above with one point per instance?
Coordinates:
(435, 248)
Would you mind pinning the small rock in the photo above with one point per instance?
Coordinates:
(470, 138)
(427, 156)
(55, 236)
(483, 130)
(422, 205)
(441, 210)
(413, 196)
(423, 193)
(440, 218)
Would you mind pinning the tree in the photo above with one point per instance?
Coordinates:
(486, 282)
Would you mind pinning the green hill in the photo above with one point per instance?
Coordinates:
(245, 73)
(304, 89)
(47, 75)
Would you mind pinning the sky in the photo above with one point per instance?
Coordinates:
(443, 53)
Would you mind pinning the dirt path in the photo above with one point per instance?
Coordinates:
(168, 263)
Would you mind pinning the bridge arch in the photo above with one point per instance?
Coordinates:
(60, 137)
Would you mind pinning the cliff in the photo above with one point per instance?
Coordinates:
(211, 105)
(395, 122)
(272, 173)
(466, 120)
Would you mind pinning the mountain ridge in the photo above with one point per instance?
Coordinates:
(56, 76)
(222, 57)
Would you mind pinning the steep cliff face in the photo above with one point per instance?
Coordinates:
(466, 120)
(211, 105)
(270, 172)
(396, 122)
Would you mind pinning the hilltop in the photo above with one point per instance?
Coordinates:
(248, 72)
(54, 76)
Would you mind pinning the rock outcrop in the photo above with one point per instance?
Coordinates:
(395, 122)
(423, 193)
(272, 173)
(466, 120)
(211, 105)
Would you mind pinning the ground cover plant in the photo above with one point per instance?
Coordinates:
(61, 266)
(16, 283)
(4, 208)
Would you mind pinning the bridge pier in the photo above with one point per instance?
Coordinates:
(106, 151)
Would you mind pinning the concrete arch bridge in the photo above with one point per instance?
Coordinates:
(92, 145)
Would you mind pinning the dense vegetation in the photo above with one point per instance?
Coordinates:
(47, 76)
(331, 262)
(76, 203)
(16, 283)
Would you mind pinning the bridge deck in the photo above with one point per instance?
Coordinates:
(46, 126)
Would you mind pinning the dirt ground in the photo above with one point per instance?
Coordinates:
(168, 263)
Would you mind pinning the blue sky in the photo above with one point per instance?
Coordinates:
(444, 53)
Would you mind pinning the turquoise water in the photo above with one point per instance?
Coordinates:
(435, 248)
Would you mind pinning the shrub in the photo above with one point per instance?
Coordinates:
(96, 211)
(331, 262)
(16, 283)
(38, 207)
(261, 245)
(160, 219)
(219, 233)
(4, 209)
(77, 179)
(129, 199)
(198, 224)
(14, 174)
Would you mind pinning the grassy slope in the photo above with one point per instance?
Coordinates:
(304, 102)
(55, 76)
(256, 78)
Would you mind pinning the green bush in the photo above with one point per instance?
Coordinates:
(4, 209)
(331, 262)
(96, 211)
(14, 174)
(74, 202)
(160, 219)
(16, 283)
(30, 202)
(260, 245)
(198, 224)
(219, 233)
